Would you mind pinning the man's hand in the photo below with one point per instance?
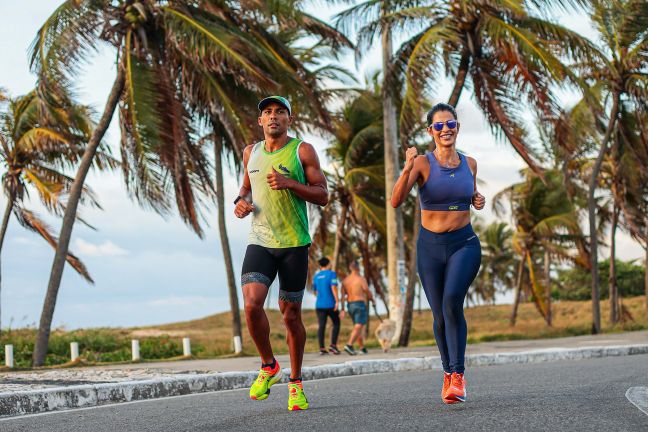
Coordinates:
(342, 314)
(478, 201)
(336, 307)
(243, 208)
(410, 155)
(278, 181)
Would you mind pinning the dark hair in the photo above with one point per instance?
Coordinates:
(440, 107)
(323, 262)
(354, 264)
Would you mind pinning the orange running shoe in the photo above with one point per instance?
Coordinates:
(447, 378)
(457, 390)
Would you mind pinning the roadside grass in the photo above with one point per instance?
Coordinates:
(211, 336)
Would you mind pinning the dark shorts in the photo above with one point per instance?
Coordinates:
(261, 265)
(358, 312)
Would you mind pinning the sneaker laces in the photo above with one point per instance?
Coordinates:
(294, 389)
(263, 374)
(457, 380)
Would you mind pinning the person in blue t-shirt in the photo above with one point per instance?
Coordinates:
(325, 285)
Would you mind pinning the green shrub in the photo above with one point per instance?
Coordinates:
(575, 283)
(95, 346)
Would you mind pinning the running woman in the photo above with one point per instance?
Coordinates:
(448, 251)
(327, 305)
(281, 174)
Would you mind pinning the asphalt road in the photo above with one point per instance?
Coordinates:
(587, 395)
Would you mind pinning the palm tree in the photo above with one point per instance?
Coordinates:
(546, 221)
(356, 178)
(171, 54)
(38, 141)
(619, 67)
(623, 173)
(575, 136)
(508, 54)
(360, 16)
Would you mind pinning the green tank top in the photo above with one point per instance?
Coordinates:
(280, 219)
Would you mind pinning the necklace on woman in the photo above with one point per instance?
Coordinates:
(447, 163)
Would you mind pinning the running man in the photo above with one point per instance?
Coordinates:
(448, 250)
(281, 174)
(325, 285)
(355, 292)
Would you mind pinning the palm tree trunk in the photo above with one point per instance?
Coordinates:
(3, 232)
(646, 268)
(460, 80)
(612, 280)
(394, 216)
(591, 203)
(341, 223)
(411, 282)
(227, 254)
(516, 295)
(42, 338)
(547, 275)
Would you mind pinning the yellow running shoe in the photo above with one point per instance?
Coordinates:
(296, 398)
(268, 376)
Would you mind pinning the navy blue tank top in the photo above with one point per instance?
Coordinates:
(447, 189)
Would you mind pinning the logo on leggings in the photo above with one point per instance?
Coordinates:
(453, 207)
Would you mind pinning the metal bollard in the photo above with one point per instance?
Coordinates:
(186, 347)
(74, 351)
(9, 358)
(135, 349)
(237, 345)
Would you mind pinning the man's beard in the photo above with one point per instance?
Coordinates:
(275, 133)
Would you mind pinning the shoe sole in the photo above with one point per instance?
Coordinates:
(298, 408)
(452, 398)
(272, 382)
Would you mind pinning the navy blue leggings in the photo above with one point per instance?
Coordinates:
(447, 264)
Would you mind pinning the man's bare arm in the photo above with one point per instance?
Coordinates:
(315, 190)
(243, 207)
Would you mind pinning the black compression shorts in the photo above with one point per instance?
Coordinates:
(261, 265)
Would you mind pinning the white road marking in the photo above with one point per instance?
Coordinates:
(638, 396)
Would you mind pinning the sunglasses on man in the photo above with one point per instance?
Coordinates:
(438, 126)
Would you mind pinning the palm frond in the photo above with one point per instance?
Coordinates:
(32, 222)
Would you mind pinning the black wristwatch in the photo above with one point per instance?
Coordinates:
(238, 198)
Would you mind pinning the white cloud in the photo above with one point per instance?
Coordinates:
(24, 241)
(107, 248)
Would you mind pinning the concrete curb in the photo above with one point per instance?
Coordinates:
(84, 396)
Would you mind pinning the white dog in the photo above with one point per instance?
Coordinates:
(384, 333)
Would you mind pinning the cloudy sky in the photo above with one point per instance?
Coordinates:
(149, 269)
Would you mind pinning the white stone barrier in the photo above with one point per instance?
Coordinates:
(9, 357)
(74, 351)
(186, 347)
(135, 348)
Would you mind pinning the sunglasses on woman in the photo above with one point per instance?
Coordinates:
(438, 126)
